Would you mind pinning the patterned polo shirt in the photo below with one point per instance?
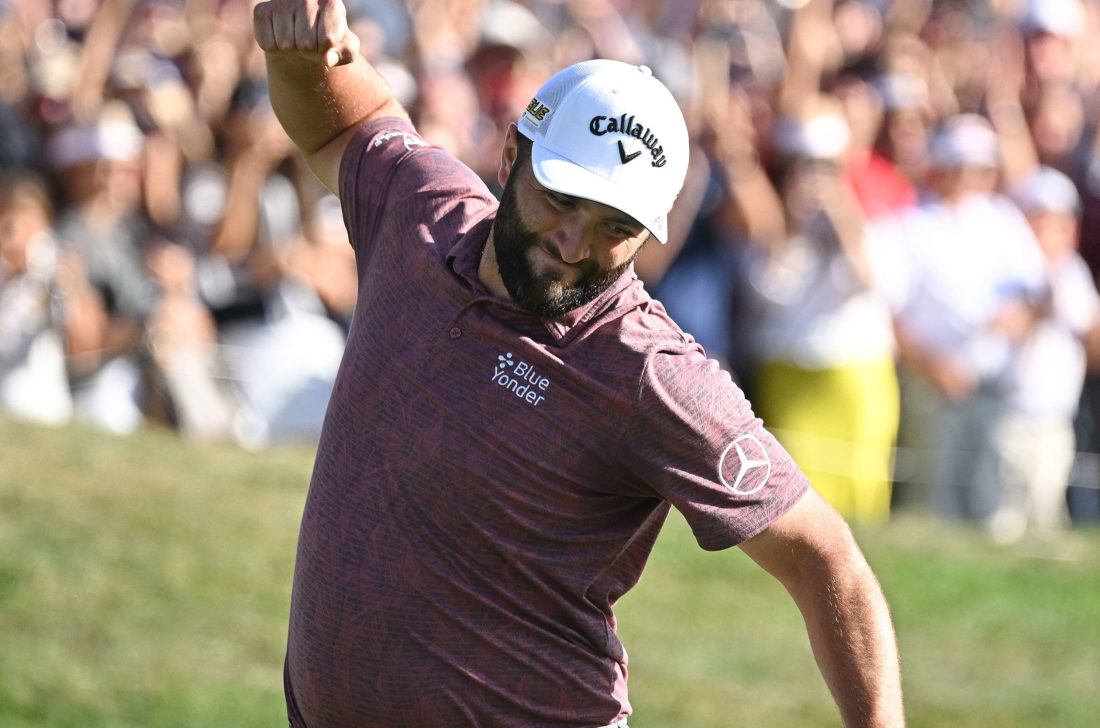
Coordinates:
(489, 483)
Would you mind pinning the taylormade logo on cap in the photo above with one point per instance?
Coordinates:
(610, 132)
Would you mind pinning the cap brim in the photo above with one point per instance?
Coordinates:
(559, 174)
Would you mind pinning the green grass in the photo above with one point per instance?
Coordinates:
(144, 581)
(989, 636)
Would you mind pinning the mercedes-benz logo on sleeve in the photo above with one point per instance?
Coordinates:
(753, 466)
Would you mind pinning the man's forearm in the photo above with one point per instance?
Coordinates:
(811, 551)
(315, 103)
(853, 640)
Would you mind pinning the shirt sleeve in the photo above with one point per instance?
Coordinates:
(1022, 266)
(1075, 299)
(391, 178)
(695, 441)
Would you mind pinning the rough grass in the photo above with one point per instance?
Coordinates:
(989, 636)
(144, 581)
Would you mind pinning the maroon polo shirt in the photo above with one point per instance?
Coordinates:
(489, 483)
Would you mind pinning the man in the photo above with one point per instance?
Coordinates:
(968, 291)
(1047, 371)
(514, 417)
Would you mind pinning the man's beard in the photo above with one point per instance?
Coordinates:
(544, 295)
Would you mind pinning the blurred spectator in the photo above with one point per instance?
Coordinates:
(903, 137)
(103, 226)
(33, 380)
(971, 283)
(1034, 441)
(914, 76)
(279, 347)
(824, 376)
(1083, 494)
(879, 185)
(153, 352)
(1051, 30)
(18, 133)
(181, 344)
(1056, 125)
(325, 261)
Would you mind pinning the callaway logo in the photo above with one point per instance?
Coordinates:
(753, 466)
(409, 139)
(520, 378)
(627, 157)
(625, 125)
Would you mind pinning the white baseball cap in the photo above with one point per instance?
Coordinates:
(610, 132)
(1047, 189)
(964, 140)
(108, 140)
(1066, 18)
(814, 129)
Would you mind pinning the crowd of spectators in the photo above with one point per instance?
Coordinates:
(890, 229)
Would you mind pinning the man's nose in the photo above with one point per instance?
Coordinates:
(573, 238)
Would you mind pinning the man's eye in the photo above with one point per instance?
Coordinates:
(621, 231)
(560, 201)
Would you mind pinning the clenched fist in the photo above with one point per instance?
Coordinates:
(315, 29)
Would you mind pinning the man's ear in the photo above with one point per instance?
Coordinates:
(508, 154)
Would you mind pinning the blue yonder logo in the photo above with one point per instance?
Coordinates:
(521, 379)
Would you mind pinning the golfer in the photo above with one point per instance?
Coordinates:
(514, 417)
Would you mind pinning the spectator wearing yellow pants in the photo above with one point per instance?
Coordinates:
(840, 422)
(824, 375)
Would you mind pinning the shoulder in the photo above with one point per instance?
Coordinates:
(691, 436)
(395, 183)
(638, 354)
(668, 366)
(999, 212)
(1074, 275)
(384, 147)
(630, 328)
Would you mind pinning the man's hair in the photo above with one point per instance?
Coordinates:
(523, 153)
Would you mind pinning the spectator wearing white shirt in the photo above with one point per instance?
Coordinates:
(33, 382)
(972, 278)
(1035, 440)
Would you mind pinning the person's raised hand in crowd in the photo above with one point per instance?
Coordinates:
(1005, 86)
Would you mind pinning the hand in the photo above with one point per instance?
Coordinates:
(1007, 68)
(1014, 320)
(954, 378)
(315, 29)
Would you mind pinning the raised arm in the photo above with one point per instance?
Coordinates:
(810, 550)
(320, 87)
